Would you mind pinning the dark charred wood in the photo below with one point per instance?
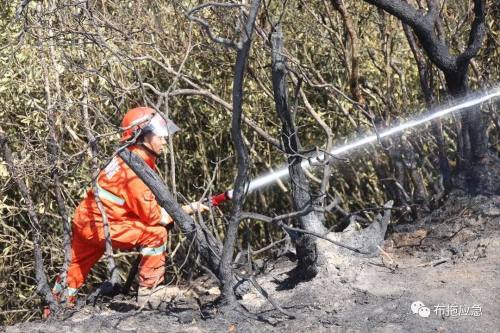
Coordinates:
(206, 244)
(307, 252)
(242, 158)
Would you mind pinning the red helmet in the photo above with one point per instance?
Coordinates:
(147, 120)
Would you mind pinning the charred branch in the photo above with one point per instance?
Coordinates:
(206, 244)
(243, 161)
(423, 24)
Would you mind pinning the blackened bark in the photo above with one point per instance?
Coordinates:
(226, 270)
(43, 288)
(474, 123)
(207, 246)
(307, 250)
(472, 138)
(423, 26)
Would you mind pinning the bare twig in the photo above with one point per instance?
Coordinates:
(278, 220)
(43, 288)
(53, 147)
(112, 268)
(266, 295)
(217, 39)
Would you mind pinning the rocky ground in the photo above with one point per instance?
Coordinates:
(448, 262)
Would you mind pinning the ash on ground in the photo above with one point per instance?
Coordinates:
(445, 264)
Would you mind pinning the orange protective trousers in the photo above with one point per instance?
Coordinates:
(135, 220)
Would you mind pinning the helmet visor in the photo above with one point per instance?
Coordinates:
(161, 127)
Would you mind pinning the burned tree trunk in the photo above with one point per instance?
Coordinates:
(472, 141)
(474, 158)
(307, 251)
(226, 270)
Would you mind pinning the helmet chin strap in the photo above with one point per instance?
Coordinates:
(149, 150)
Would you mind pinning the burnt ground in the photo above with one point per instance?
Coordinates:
(448, 260)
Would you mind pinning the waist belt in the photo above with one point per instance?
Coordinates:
(104, 194)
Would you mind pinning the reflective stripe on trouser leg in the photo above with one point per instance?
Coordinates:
(57, 289)
(152, 266)
(72, 292)
(153, 251)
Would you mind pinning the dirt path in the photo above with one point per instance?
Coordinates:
(449, 261)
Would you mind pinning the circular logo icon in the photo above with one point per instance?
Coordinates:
(415, 306)
(424, 312)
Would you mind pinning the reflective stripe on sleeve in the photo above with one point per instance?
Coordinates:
(103, 194)
(153, 251)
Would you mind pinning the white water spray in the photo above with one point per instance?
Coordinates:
(306, 164)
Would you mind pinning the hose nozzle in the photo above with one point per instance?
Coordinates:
(220, 198)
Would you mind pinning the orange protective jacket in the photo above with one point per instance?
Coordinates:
(123, 194)
(135, 220)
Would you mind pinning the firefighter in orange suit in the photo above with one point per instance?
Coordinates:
(135, 217)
